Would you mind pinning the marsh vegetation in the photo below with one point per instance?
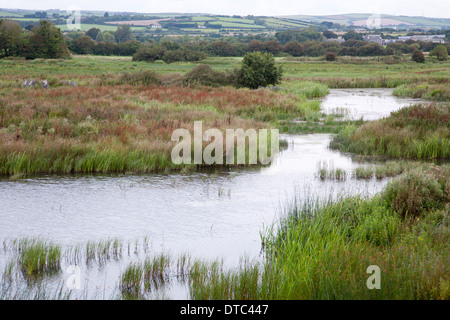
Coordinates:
(120, 122)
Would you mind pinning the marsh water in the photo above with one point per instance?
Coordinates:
(368, 104)
(211, 214)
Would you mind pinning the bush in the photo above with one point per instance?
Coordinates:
(440, 52)
(205, 75)
(417, 191)
(183, 55)
(294, 48)
(145, 78)
(258, 70)
(417, 56)
(161, 52)
(331, 56)
(379, 227)
(149, 54)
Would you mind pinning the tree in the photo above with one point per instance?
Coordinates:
(272, 46)
(255, 45)
(440, 52)
(258, 69)
(149, 54)
(371, 49)
(352, 35)
(47, 42)
(84, 45)
(11, 39)
(314, 49)
(108, 37)
(100, 37)
(221, 49)
(106, 15)
(123, 33)
(417, 56)
(329, 34)
(300, 35)
(294, 48)
(330, 56)
(93, 33)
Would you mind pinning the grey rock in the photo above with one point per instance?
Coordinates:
(45, 85)
(28, 83)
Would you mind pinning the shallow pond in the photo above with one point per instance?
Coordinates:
(209, 215)
(369, 104)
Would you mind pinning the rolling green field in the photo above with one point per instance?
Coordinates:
(102, 27)
(9, 14)
(350, 18)
(294, 68)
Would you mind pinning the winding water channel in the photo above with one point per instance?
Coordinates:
(210, 215)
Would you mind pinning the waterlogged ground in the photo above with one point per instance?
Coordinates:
(208, 215)
(369, 104)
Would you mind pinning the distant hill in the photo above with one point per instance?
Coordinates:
(203, 23)
(386, 20)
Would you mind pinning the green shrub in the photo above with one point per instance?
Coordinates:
(379, 227)
(440, 52)
(415, 192)
(417, 56)
(331, 56)
(258, 70)
(149, 54)
(146, 78)
(183, 55)
(205, 75)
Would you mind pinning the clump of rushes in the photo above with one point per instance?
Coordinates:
(38, 257)
(130, 281)
(414, 132)
(306, 89)
(364, 173)
(389, 169)
(103, 250)
(325, 173)
(156, 271)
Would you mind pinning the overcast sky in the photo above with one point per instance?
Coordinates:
(429, 8)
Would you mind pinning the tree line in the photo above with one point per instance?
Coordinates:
(47, 41)
(43, 41)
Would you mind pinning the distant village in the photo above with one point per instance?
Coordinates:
(435, 38)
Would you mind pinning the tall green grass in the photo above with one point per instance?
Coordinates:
(322, 249)
(84, 161)
(306, 89)
(424, 90)
(414, 132)
(38, 257)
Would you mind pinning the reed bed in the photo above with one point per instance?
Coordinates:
(414, 132)
(326, 171)
(424, 90)
(322, 249)
(121, 128)
(36, 258)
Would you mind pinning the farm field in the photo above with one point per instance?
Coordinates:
(102, 27)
